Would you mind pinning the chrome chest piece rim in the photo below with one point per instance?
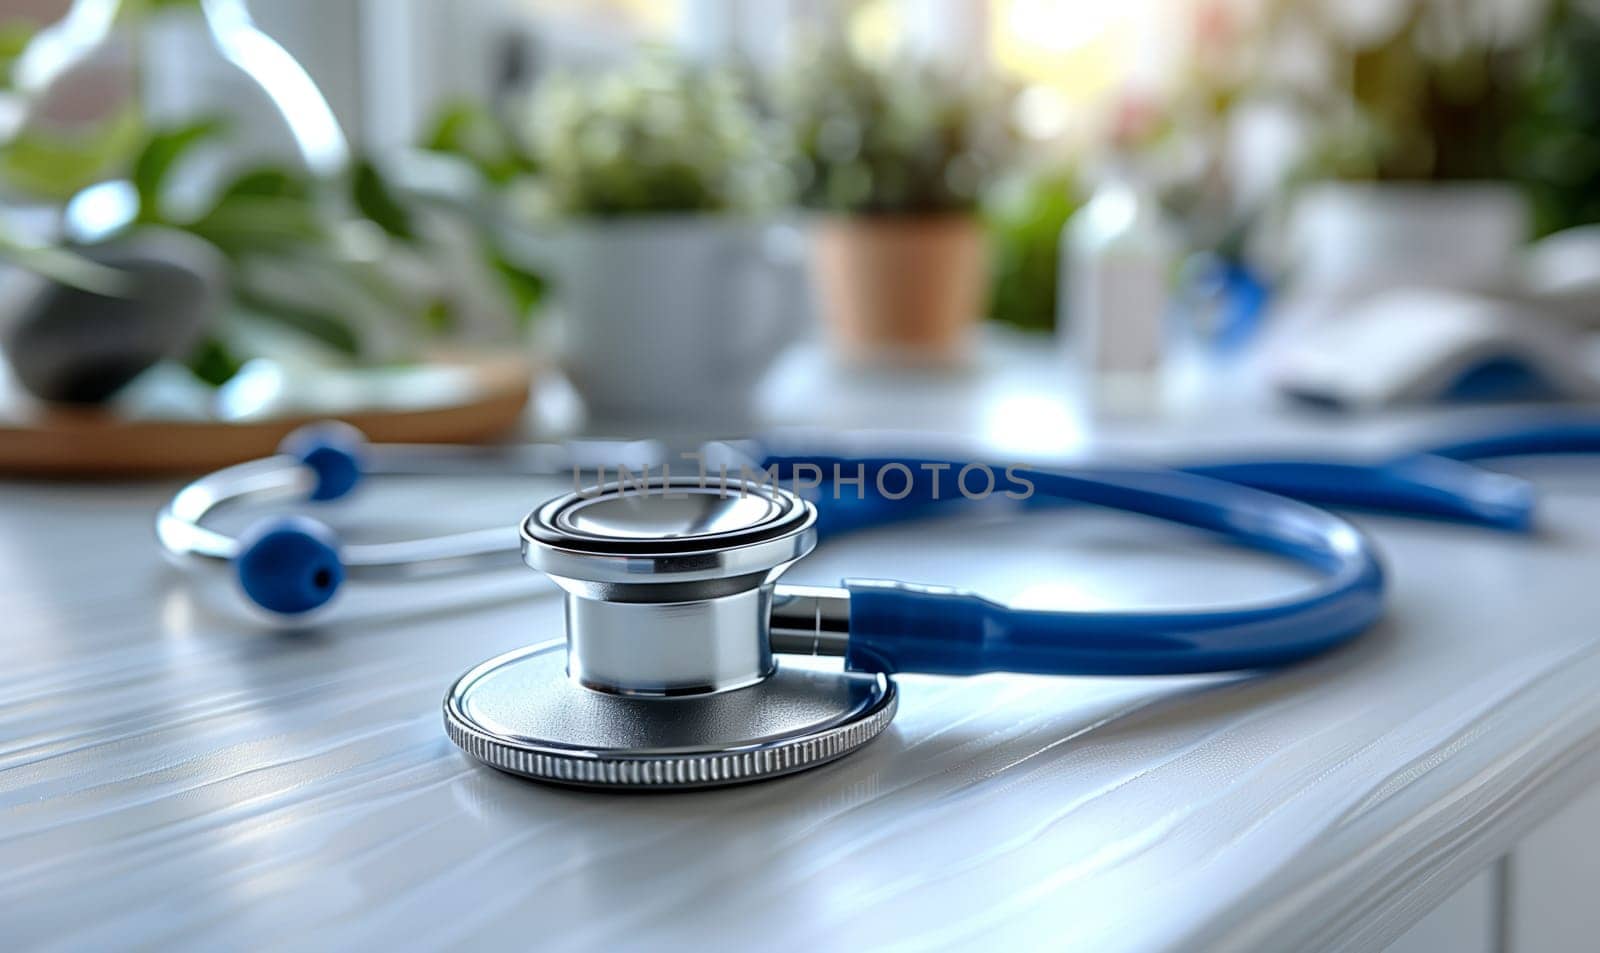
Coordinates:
(668, 678)
(522, 714)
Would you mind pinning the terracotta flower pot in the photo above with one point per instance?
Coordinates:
(901, 290)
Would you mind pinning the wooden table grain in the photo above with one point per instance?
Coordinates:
(175, 775)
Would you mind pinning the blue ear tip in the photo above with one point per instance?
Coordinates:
(333, 451)
(289, 565)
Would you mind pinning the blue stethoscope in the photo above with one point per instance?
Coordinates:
(667, 675)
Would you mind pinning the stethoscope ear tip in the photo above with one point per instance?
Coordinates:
(332, 450)
(289, 565)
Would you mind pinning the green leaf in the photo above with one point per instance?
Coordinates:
(158, 157)
(275, 182)
(213, 362)
(469, 131)
(267, 208)
(64, 266)
(440, 317)
(450, 128)
(1024, 226)
(328, 328)
(57, 164)
(249, 223)
(14, 38)
(136, 10)
(525, 288)
(376, 201)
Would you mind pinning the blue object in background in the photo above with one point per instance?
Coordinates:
(1224, 300)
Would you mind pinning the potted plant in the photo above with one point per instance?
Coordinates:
(652, 206)
(1554, 141)
(894, 158)
(1412, 179)
(213, 231)
(282, 264)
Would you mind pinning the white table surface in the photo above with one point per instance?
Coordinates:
(174, 775)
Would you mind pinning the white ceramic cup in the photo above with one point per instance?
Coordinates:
(672, 320)
(1350, 239)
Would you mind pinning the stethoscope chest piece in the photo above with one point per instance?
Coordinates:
(667, 677)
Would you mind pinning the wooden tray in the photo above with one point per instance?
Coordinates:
(61, 441)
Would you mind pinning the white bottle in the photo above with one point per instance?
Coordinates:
(1117, 260)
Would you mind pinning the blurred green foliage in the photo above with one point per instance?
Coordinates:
(1024, 218)
(1522, 108)
(14, 38)
(56, 164)
(373, 197)
(1432, 100)
(898, 139)
(654, 137)
(363, 269)
(289, 221)
(162, 150)
(1555, 145)
(474, 133)
(264, 210)
(137, 9)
